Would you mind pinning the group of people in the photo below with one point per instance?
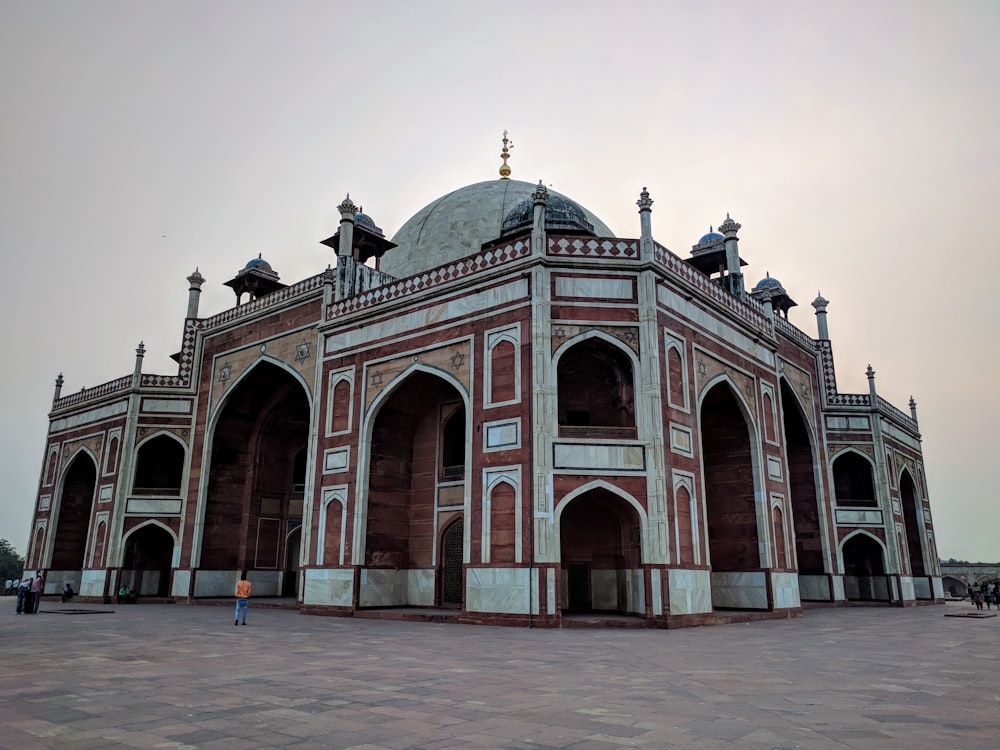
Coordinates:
(29, 594)
(987, 594)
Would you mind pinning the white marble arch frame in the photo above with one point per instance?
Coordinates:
(333, 494)
(100, 518)
(872, 466)
(620, 494)
(175, 555)
(492, 477)
(42, 525)
(756, 466)
(56, 508)
(359, 532)
(493, 338)
(886, 559)
(686, 479)
(824, 520)
(51, 466)
(112, 452)
(135, 457)
(783, 504)
(918, 509)
(206, 450)
(672, 341)
(767, 389)
(334, 378)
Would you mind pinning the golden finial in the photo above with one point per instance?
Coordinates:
(505, 154)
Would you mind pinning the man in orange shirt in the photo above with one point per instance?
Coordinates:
(242, 598)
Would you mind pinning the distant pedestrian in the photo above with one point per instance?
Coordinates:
(977, 598)
(37, 589)
(23, 590)
(242, 599)
(68, 594)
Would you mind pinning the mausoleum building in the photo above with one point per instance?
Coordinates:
(506, 413)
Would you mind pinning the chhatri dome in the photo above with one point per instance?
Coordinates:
(458, 224)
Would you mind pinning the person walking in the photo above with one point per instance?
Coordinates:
(23, 591)
(242, 599)
(977, 598)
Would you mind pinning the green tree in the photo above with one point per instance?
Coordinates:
(11, 563)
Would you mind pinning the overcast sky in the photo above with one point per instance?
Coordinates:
(857, 143)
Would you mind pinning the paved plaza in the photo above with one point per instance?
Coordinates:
(174, 676)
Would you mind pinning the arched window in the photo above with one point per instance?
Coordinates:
(852, 480)
(453, 446)
(159, 467)
(596, 391)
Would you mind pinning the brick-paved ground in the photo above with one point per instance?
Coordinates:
(173, 676)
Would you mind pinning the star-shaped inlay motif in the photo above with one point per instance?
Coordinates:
(225, 372)
(457, 360)
(630, 337)
(376, 379)
(702, 369)
(302, 351)
(559, 333)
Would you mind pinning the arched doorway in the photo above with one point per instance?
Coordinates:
(290, 583)
(450, 570)
(809, 539)
(600, 549)
(910, 503)
(146, 564)
(69, 548)
(864, 570)
(730, 502)
(255, 481)
(596, 391)
(417, 468)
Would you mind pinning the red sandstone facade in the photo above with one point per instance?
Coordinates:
(550, 422)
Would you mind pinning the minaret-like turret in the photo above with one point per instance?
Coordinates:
(820, 304)
(871, 384)
(195, 281)
(734, 276)
(645, 204)
(913, 409)
(57, 393)
(540, 197)
(347, 213)
(140, 352)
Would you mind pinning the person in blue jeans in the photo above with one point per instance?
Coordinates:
(242, 599)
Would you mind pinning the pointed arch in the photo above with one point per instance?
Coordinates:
(853, 478)
(913, 523)
(360, 531)
(159, 463)
(72, 511)
(595, 383)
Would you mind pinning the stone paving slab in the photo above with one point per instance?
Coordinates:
(179, 677)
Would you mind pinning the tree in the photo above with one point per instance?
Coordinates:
(11, 563)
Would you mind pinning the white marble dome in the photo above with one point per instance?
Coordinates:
(457, 224)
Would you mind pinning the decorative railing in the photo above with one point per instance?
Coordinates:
(593, 247)
(888, 409)
(89, 394)
(794, 333)
(748, 308)
(597, 432)
(495, 256)
(366, 278)
(262, 303)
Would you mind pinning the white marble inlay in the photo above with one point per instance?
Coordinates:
(690, 591)
(737, 590)
(598, 457)
(153, 506)
(336, 460)
(86, 417)
(503, 590)
(503, 435)
(774, 468)
(44, 502)
(105, 493)
(182, 580)
(680, 440)
(582, 286)
(331, 587)
(853, 517)
(785, 588)
(167, 406)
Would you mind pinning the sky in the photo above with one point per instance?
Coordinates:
(858, 143)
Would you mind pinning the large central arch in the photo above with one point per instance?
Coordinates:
(415, 480)
(76, 503)
(730, 459)
(256, 478)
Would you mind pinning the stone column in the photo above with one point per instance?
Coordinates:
(820, 304)
(345, 251)
(57, 393)
(645, 204)
(140, 352)
(540, 197)
(913, 409)
(729, 228)
(194, 293)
